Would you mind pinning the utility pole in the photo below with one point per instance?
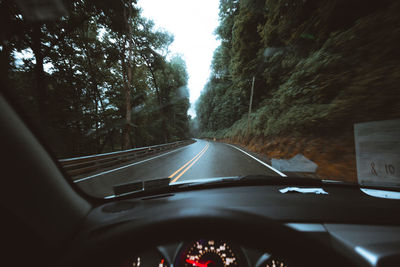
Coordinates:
(251, 103)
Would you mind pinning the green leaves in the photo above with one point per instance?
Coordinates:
(87, 55)
(319, 66)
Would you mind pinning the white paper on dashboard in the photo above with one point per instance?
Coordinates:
(303, 190)
(378, 153)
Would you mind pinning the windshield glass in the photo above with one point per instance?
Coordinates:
(128, 91)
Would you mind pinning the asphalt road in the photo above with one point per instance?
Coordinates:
(202, 159)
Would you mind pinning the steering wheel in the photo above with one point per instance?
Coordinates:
(107, 244)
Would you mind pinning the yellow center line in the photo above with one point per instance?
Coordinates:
(187, 163)
(172, 175)
(202, 153)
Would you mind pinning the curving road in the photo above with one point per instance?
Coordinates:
(202, 159)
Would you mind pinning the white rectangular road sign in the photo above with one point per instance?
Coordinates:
(378, 153)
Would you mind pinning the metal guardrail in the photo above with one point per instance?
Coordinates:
(87, 164)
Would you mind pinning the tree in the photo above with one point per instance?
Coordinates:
(105, 79)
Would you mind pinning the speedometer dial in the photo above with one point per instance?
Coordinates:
(209, 253)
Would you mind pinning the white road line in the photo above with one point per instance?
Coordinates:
(126, 166)
(262, 162)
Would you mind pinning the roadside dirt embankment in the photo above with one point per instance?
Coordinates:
(335, 156)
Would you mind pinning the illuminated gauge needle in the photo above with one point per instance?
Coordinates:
(198, 264)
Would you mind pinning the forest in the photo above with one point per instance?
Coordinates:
(100, 78)
(319, 67)
(97, 79)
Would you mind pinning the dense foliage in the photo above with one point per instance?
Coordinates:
(97, 79)
(319, 67)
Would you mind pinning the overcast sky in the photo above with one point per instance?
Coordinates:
(192, 22)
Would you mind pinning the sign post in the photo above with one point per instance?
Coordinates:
(251, 103)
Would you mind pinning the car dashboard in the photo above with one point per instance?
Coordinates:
(354, 225)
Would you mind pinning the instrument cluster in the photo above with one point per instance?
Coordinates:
(204, 253)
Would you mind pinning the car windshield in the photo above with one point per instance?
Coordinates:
(136, 90)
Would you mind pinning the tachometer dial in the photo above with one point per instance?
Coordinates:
(136, 261)
(275, 263)
(209, 253)
(146, 260)
(268, 260)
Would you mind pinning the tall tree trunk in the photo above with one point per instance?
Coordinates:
(41, 89)
(95, 95)
(128, 108)
(127, 66)
(161, 106)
